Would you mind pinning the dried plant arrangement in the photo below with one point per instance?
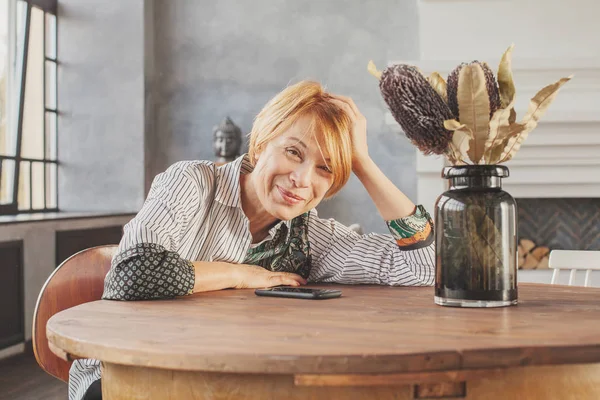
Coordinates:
(470, 118)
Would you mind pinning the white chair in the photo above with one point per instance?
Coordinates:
(584, 260)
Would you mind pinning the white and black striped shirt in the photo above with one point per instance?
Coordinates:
(193, 212)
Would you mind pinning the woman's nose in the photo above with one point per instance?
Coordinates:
(301, 176)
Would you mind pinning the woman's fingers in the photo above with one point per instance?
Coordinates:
(345, 106)
(277, 280)
(348, 103)
(286, 278)
(253, 276)
(294, 277)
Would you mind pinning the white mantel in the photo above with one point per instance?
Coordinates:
(561, 157)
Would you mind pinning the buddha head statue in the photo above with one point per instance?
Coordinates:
(227, 140)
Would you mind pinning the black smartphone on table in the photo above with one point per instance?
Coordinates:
(299, 293)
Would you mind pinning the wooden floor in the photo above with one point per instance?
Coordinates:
(22, 379)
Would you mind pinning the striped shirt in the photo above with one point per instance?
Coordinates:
(193, 212)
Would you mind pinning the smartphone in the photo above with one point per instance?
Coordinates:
(299, 293)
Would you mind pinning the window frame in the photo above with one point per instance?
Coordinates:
(12, 208)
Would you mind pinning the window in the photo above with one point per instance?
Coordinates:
(28, 106)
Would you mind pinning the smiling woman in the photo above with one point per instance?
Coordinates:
(252, 223)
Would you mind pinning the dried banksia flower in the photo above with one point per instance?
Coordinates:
(471, 118)
(452, 87)
(473, 97)
(417, 107)
(491, 87)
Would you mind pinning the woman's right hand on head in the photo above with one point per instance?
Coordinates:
(254, 277)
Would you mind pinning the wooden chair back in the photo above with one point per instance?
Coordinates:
(574, 260)
(79, 279)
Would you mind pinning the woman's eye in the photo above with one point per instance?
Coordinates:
(293, 152)
(325, 168)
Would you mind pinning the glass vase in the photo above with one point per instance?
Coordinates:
(476, 239)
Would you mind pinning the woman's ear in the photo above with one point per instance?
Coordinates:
(257, 153)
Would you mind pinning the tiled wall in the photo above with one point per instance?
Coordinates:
(570, 224)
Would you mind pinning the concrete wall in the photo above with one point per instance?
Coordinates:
(142, 83)
(213, 59)
(100, 103)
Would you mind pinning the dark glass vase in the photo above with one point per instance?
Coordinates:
(476, 239)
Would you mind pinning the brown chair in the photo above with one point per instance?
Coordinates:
(79, 279)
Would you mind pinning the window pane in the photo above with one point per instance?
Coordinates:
(24, 186)
(7, 141)
(32, 145)
(4, 65)
(37, 181)
(51, 84)
(7, 181)
(50, 36)
(51, 175)
(50, 135)
(16, 49)
(21, 11)
(37, 185)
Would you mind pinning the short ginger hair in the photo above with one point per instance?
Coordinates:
(331, 124)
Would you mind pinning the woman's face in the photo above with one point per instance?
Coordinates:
(291, 175)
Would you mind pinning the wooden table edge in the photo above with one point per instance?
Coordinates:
(442, 362)
(436, 360)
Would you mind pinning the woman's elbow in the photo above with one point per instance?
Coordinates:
(118, 285)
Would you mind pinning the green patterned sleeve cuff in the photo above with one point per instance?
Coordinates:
(412, 232)
(148, 271)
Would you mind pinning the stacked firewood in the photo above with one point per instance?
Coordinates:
(532, 256)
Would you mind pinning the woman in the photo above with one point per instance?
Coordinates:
(252, 223)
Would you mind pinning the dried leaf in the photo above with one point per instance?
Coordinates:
(513, 116)
(451, 156)
(439, 85)
(474, 107)
(499, 129)
(537, 108)
(496, 151)
(485, 244)
(373, 70)
(460, 144)
(460, 140)
(505, 79)
(452, 124)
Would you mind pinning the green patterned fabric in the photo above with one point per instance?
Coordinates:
(408, 227)
(288, 251)
(413, 232)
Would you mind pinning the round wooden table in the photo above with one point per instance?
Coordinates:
(372, 343)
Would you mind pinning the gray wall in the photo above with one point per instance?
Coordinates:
(217, 58)
(101, 107)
